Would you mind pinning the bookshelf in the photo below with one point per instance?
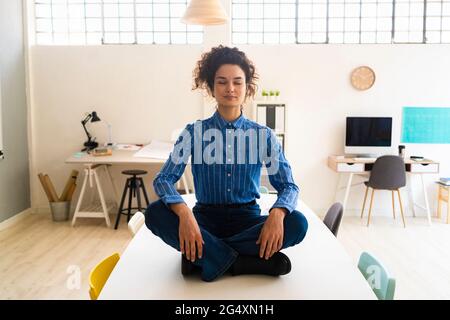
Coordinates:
(273, 115)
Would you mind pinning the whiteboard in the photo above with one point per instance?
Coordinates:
(426, 125)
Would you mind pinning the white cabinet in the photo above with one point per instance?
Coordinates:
(425, 167)
(350, 167)
(273, 115)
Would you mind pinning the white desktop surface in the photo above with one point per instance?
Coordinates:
(117, 157)
(321, 269)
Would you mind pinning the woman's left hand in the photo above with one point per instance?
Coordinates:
(271, 236)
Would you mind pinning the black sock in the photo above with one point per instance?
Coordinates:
(278, 264)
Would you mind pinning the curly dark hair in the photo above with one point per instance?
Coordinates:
(211, 61)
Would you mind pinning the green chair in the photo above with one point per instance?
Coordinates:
(263, 189)
(382, 284)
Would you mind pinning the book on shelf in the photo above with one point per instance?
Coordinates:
(444, 181)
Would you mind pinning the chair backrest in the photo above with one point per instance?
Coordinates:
(388, 173)
(333, 217)
(100, 273)
(263, 189)
(382, 284)
(136, 222)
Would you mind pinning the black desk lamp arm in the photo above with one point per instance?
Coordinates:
(89, 116)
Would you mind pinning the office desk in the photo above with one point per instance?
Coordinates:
(353, 166)
(321, 269)
(94, 164)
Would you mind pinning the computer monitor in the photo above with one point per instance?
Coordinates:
(368, 136)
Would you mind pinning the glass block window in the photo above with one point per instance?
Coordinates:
(265, 21)
(82, 22)
(437, 27)
(368, 21)
(409, 21)
(340, 21)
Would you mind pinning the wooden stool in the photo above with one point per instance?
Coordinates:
(443, 196)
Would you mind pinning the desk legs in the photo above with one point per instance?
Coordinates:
(410, 195)
(427, 205)
(338, 184)
(108, 174)
(90, 173)
(347, 190)
(102, 199)
(80, 198)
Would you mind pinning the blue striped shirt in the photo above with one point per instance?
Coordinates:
(225, 177)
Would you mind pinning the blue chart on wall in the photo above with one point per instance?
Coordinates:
(426, 125)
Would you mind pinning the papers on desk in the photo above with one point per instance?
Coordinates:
(156, 149)
(131, 147)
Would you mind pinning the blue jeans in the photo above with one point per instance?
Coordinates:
(226, 232)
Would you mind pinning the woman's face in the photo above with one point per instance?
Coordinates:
(230, 86)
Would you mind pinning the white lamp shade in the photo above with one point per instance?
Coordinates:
(205, 12)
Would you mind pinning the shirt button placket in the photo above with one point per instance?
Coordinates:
(228, 181)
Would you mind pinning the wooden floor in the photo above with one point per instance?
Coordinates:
(39, 258)
(418, 256)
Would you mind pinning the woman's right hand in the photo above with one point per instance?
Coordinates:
(191, 241)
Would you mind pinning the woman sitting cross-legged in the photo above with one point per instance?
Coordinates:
(225, 231)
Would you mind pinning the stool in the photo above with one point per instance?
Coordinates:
(443, 196)
(133, 186)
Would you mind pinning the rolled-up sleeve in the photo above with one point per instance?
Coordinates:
(173, 168)
(281, 178)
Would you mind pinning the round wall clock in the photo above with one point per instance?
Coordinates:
(362, 78)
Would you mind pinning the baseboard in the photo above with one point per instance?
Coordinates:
(42, 210)
(14, 219)
(387, 212)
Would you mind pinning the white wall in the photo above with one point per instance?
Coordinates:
(314, 79)
(145, 93)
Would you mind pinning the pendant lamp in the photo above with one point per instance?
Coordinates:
(205, 12)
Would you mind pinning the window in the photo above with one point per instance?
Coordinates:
(437, 27)
(341, 21)
(113, 22)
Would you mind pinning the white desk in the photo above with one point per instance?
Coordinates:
(96, 163)
(321, 269)
(353, 166)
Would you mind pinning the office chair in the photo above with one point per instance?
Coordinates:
(100, 274)
(382, 284)
(136, 222)
(333, 217)
(388, 173)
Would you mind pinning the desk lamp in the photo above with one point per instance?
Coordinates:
(90, 143)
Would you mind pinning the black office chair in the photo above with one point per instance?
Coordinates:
(333, 217)
(388, 173)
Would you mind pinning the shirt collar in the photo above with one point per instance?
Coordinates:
(222, 123)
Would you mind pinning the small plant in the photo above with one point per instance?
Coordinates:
(277, 93)
(264, 93)
(272, 93)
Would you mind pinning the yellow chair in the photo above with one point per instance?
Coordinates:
(100, 273)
